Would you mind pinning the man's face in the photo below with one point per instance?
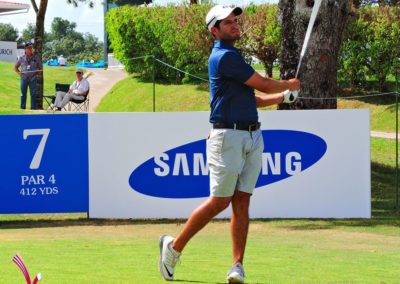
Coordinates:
(28, 50)
(228, 29)
(79, 75)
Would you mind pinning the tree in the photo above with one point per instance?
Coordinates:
(28, 34)
(75, 46)
(354, 52)
(371, 45)
(261, 35)
(8, 32)
(39, 40)
(318, 72)
(61, 28)
(383, 41)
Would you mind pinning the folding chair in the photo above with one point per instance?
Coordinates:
(50, 99)
(79, 106)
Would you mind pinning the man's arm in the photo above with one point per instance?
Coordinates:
(263, 100)
(16, 69)
(271, 86)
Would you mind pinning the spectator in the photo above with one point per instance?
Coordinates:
(31, 65)
(77, 91)
(61, 60)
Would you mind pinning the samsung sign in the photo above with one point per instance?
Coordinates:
(8, 51)
(315, 164)
(168, 174)
(152, 165)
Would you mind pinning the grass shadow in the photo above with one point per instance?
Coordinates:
(68, 222)
(381, 100)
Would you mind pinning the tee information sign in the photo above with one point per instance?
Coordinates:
(44, 163)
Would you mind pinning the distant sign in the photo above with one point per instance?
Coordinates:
(8, 51)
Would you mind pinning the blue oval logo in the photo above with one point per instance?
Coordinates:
(182, 172)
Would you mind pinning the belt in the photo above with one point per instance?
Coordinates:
(246, 127)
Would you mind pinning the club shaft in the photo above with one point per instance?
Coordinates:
(314, 13)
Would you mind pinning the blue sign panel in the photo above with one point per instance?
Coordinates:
(44, 165)
(182, 172)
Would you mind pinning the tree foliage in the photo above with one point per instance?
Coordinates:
(8, 32)
(174, 34)
(261, 34)
(61, 28)
(75, 46)
(371, 45)
(178, 36)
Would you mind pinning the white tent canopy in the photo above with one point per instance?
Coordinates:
(9, 8)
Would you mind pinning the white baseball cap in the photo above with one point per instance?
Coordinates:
(220, 12)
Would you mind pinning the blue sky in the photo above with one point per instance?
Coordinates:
(86, 19)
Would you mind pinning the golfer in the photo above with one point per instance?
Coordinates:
(235, 144)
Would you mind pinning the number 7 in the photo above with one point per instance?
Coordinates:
(37, 158)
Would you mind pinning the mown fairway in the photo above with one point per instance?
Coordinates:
(278, 251)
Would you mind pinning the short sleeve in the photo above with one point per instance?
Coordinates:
(86, 86)
(18, 63)
(232, 65)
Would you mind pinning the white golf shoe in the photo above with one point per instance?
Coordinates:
(236, 274)
(168, 257)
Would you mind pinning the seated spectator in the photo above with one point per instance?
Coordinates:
(77, 91)
(61, 60)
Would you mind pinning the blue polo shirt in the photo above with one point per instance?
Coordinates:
(231, 101)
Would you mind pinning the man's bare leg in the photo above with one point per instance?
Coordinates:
(239, 224)
(199, 218)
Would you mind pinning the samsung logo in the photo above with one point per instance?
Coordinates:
(182, 172)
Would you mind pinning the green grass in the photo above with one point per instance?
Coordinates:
(134, 95)
(278, 251)
(383, 111)
(10, 86)
(383, 172)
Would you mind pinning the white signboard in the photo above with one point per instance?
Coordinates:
(8, 51)
(316, 164)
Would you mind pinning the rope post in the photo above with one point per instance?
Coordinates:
(154, 86)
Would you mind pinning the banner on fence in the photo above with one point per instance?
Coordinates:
(8, 51)
(316, 164)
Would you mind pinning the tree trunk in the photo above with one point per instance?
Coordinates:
(268, 66)
(318, 72)
(38, 46)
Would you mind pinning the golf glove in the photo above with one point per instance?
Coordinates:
(289, 96)
(75, 92)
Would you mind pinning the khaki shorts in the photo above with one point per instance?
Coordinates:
(234, 160)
